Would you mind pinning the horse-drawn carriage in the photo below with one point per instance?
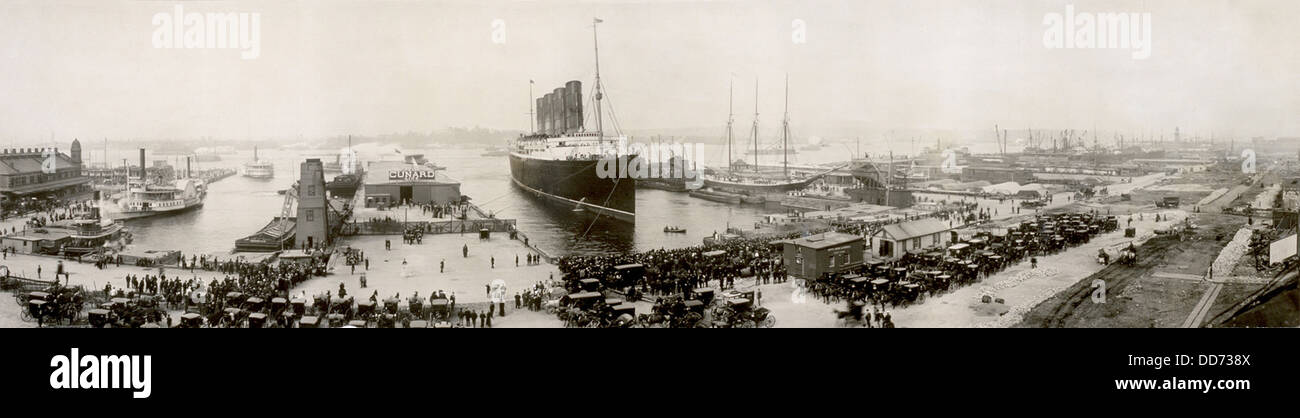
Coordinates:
(56, 303)
(126, 313)
(440, 309)
(191, 320)
(741, 313)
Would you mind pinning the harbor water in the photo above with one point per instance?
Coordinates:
(238, 206)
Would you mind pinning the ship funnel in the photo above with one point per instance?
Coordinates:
(143, 177)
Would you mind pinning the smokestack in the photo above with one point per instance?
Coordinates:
(541, 106)
(142, 171)
(559, 114)
(574, 105)
(187, 166)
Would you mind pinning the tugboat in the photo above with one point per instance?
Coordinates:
(673, 229)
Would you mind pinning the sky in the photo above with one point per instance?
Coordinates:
(89, 69)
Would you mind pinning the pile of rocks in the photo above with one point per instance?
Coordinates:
(1231, 253)
(1031, 274)
(1267, 197)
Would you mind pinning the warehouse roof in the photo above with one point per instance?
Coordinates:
(914, 229)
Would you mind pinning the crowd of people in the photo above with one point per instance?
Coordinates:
(681, 270)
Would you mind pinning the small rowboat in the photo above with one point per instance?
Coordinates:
(673, 229)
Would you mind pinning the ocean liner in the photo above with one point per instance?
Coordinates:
(559, 162)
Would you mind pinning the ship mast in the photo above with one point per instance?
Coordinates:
(785, 131)
(755, 128)
(600, 132)
(730, 119)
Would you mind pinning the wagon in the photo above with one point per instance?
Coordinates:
(589, 285)
(99, 317)
(278, 305)
(583, 300)
(254, 304)
(36, 309)
(744, 315)
(703, 294)
(191, 320)
(416, 307)
(257, 320)
(365, 308)
(439, 308)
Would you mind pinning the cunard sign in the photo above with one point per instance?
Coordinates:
(411, 174)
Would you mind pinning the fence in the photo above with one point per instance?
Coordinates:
(454, 226)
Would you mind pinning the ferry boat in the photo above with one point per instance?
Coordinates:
(559, 162)
(94, 235)
(141, 199)
(259, 169)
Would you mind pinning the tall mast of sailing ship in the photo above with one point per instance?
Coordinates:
(730, 119)
(755, 128)
(600, 131)
(785, 131)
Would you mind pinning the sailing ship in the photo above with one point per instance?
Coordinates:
(259, 169)
(758, 182)
(558, 163)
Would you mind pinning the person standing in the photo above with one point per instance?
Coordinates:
(442, 265)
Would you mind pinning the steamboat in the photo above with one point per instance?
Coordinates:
(141, 199)
(562, 162)
(259, 169)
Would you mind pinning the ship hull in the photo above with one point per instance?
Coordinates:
(750, 188)
(574, 184)
(137, 214)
